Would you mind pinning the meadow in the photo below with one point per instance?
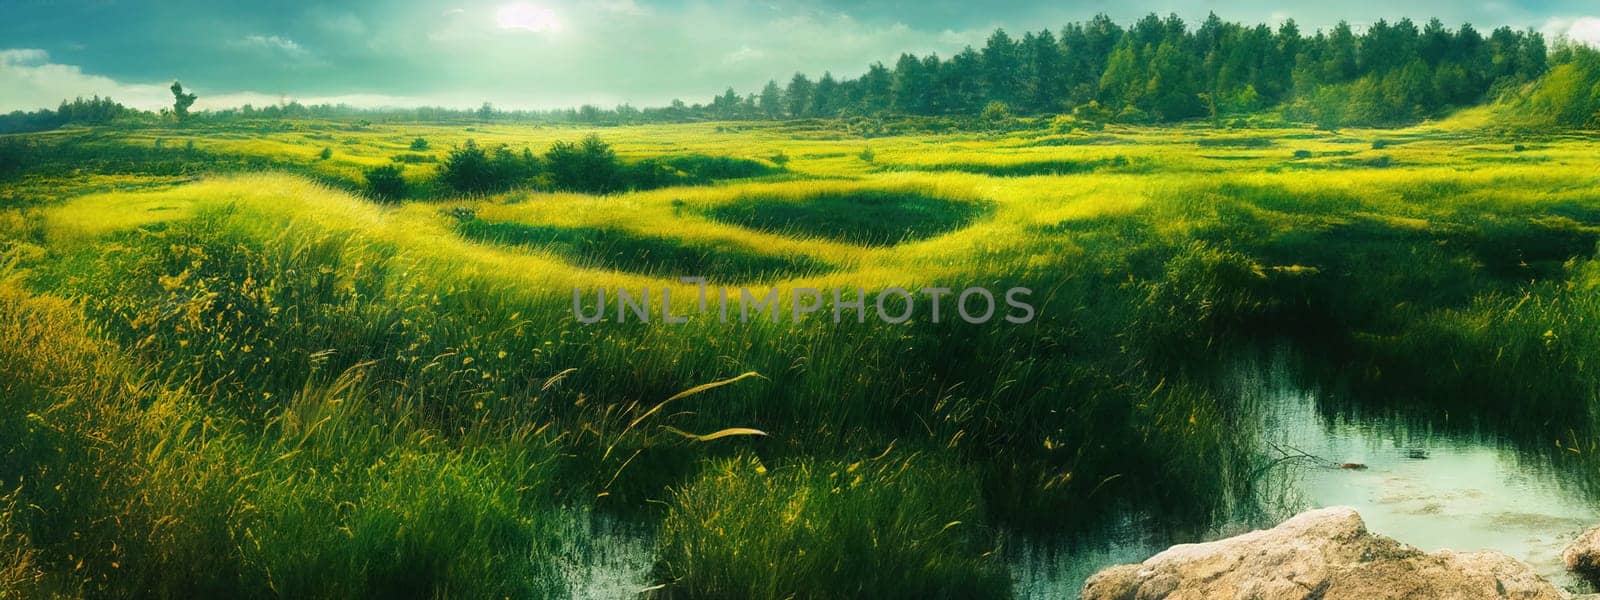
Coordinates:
(228, 371)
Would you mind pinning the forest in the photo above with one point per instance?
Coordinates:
(1157, 70)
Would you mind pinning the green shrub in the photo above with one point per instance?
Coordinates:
(413, 158)
(470, 169)
(589, 166)
(386, 183)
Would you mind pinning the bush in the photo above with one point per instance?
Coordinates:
(413, 158)
(385, 183)
(1302, 154)
(996, 113)
(1063, 123)
(470, 169)
(419, 144)
(588, 166)
(1092, 115)
(467, 169)
(15, 154)
(1133, 114)
(326, 153)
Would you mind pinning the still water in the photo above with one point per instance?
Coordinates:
(1420, 485)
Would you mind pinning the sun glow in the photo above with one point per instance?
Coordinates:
(527, 17)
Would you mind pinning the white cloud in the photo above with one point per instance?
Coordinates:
(527, 17)
(29, 81)
(1584, 30)
(274, 43)
(744, 54)
(23, 57)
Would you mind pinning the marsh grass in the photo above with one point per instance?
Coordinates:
(898, 524)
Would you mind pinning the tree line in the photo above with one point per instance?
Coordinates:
(1155, 70)
(1161, 70)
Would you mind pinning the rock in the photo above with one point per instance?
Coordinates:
(1582, 556)
(1322, 554)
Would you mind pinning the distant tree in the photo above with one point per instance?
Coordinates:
(1122, 83)
(1044, 73)
(825, 97)
(325, 154)
(181, 101)
(911, 87)
(726, 106)
(798, 96)
(486, 112)
(419, 144)
(876, 89)
(771, 102)
(1340, 63)
(1001, 68)
(960, 83)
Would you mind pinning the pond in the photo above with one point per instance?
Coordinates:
(1424, 485)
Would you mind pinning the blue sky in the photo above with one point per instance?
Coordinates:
(547, 53)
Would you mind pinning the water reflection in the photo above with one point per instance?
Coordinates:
(1411, 476)
(604, 557)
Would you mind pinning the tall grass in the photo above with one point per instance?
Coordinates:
(895, 525)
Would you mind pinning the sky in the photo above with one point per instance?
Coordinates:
(563, 53)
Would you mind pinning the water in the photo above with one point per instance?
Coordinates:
(604, 558)
(1424, 487)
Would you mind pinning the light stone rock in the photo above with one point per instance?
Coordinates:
(1582, 556)
(1323, 554)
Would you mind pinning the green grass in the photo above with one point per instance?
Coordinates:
(261, 385)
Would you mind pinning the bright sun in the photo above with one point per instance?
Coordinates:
(527, 17)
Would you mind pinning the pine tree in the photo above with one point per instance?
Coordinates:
(798, 96)
(771, 102)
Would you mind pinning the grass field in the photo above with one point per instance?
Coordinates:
(226, 372)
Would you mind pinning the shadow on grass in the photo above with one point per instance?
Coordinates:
(870, 218)
(1114, 164)
(623, 250)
